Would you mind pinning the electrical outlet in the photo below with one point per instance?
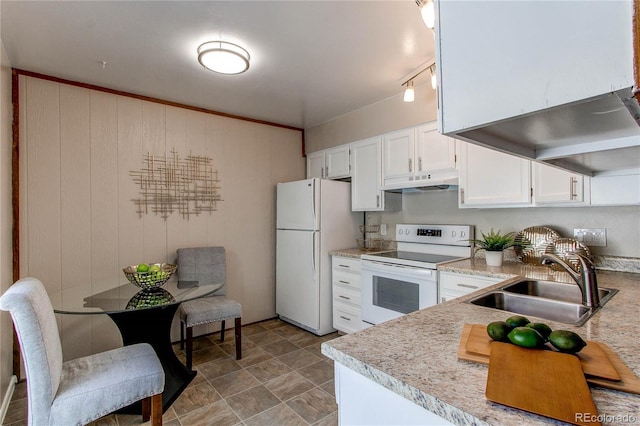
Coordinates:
(594, 237)
(383, 229)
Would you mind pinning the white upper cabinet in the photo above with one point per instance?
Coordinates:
(418, 156)
(366, 178)
(490, 178)
(332, 163)
(555, 186)
(315, 165)
(436, 153)
(498, 60)
(550, 81)
(397, 154)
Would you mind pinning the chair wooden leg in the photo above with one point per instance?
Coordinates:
(156, 410)
(152, 409)
(146, 409)
(189, 349)
(222, 326)
(238, 332)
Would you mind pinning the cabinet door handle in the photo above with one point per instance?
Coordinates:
(326, 173)
(461, 195)
(467, 286)
(344, 297)
(572, 188)
(345, 318)
(419, 164)
(410, 165)
(344, 266)
(377, 201)
(344, 282)
(322, 172)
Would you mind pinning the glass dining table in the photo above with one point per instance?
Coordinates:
(145, 316)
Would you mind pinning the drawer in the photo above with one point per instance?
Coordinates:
(347, 295)
(346, 319)
(464, 284)
(345, 264)
(347, 279)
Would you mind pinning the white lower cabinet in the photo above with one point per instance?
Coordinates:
(452, 285)
(345, 278)
(361, 401)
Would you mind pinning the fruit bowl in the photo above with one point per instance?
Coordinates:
(150, 297)
(156, 276)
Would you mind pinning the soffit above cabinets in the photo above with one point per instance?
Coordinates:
(593, 136)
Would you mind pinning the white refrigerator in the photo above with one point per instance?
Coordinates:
(313, 217)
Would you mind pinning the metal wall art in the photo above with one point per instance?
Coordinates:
(169, 184)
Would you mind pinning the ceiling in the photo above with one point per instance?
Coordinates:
(311, 61)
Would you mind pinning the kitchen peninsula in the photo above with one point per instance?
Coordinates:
(415, 356)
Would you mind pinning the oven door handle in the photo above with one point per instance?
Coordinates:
(386, 267)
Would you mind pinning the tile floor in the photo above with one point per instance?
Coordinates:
(282, 379)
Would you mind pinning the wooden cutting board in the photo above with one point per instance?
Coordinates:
(629, 382)
(543, 382)
(593, 359)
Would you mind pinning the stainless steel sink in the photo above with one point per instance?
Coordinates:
(553, 310)
(556, 291)
(544, 299)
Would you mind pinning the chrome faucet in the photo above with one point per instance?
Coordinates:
(586, 280)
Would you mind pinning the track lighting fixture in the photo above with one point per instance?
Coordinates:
(409, 92)
(427, 10)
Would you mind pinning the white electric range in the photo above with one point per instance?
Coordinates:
(399, 282)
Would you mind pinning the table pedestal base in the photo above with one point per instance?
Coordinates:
(153, 326)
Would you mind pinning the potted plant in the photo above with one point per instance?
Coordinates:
(494, 243)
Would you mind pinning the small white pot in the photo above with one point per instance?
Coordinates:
(493, 258)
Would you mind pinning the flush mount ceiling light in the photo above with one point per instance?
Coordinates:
(223, 57)
(428, 12)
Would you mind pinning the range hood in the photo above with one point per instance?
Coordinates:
(591, 136)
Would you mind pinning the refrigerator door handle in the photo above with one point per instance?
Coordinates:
(313, 200)
(313, 254)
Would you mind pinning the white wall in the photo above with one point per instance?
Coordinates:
(80, 226)
(375, 119)
(6, 256)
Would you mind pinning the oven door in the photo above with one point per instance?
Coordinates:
(390, 291)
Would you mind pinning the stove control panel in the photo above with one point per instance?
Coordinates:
(457, 235)
(429, 232)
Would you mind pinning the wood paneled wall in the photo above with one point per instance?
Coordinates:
(79, 225)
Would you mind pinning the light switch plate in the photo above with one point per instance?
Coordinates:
(594, 237)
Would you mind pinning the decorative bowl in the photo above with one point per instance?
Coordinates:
(150, 298)
(150, 279)
(566, 249)
(532, 242)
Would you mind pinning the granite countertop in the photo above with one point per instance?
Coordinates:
(415, 355)
(356, 253)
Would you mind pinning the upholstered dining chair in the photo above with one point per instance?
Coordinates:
(82, 390)
(207, 264)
